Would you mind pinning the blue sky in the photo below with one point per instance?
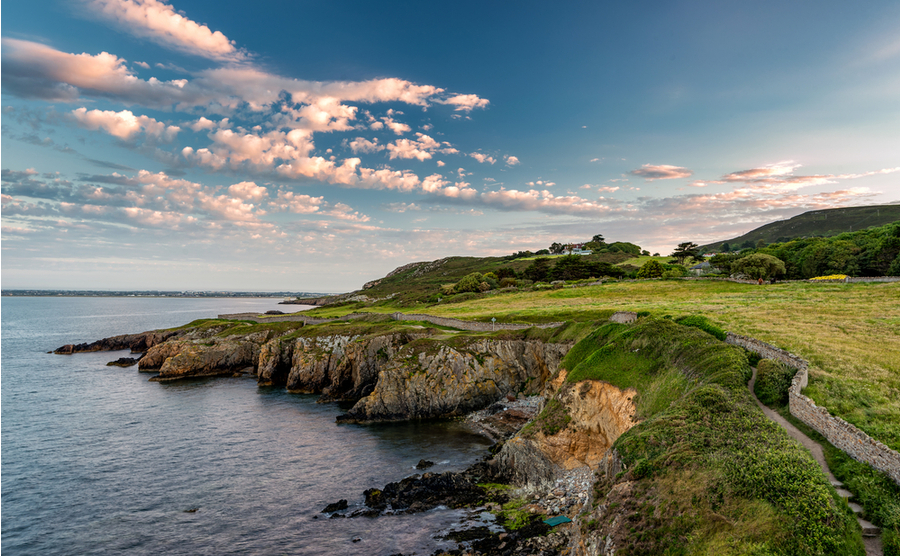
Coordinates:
(316, 146)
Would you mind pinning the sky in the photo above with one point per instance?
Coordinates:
(314, 146)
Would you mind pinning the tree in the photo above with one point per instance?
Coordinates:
(725, 247)
(686, 250)
(651, 269)
(537, 270)
(759, 265)
(557, 248)
(598, 239)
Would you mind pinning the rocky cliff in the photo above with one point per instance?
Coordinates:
(432, 379)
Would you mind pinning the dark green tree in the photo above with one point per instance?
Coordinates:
(686, 250)
(557, 248)
(537, 270)
(759, 265)
(725, 247)
(598, 239)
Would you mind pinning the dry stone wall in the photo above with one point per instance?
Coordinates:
(470, 325)
(840, 433)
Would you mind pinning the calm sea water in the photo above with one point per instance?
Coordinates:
(97, 460)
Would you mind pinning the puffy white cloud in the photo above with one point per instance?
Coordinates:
(512, 160)
(288, 201)
(482, 158)
(441, 163)
(466, 103)
(652, 172)
(124, 124)
(397, 127)
(202, 124)
(248, 191)
(420, 149)
(161, 23)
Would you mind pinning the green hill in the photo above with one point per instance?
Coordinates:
(816, 223)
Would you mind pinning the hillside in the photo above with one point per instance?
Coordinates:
(816, 223)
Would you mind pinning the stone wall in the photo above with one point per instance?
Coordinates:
(840, 433)
(872, 279)
(470, 325)
(474, 326)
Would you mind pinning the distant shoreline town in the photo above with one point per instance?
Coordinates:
(152, 293)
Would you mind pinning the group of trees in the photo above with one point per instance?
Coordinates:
(569, 267)
(871, 252)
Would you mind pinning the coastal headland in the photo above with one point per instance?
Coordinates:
(642, 433)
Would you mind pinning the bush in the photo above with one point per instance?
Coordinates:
(469, 283)
(651, 269)
(773, 380)
(508, 283)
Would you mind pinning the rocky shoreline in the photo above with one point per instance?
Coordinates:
(399, 374)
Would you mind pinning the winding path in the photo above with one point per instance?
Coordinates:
(871, 533)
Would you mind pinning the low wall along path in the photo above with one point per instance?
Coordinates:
(840, 433)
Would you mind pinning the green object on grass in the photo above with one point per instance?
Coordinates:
(554, 521)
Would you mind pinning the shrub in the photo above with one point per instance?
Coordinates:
(759, 265)
(773, 380)
(651, 269)
(469, 283)
(508, 282)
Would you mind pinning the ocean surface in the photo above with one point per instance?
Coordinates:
(97, 460)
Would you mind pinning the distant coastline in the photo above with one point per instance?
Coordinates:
(153, 293)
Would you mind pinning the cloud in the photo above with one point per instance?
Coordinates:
(124, 124)
(652, 172)
(160, 23)
(34, 70)
(363, 145)
(512, 160)
(441, 163)
(248, 191)
(779, 177)
(482, 158)
(202, 124)
(465, 103)
(396, 127)
(144, 65)
(421, 149)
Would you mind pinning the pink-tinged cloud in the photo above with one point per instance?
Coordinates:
(651, 172)
(465, 103)
(248, 191)
(124, 124)
(398, 128)
(420, 149)
(288, 201)
(512, 160)
(34, 70)
(202, 124)
(482, 158)
(363, 145)
(779, 177)
(160, 23)
(543, 201)
(608, 189)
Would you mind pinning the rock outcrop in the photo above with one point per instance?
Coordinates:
(340, 368)
(432, 379)
(137, 343)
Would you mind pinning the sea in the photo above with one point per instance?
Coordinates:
(98, 460)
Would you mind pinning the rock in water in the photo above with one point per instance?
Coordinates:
(122, 362)
(337, 506)
(424, 464)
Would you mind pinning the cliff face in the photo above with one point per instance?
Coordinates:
(597, 414)
(431, 379)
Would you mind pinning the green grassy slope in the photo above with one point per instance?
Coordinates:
(707, 473)
(817, 223)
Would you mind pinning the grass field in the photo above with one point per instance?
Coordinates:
(850, 333)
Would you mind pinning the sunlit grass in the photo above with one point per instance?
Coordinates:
(850, 333)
